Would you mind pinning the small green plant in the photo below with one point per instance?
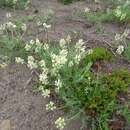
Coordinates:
(14, 3)
(12, 47)
(100, 54)
(3, 61)
(97, 17)
(68, 1)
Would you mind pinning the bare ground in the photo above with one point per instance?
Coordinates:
(20, 105)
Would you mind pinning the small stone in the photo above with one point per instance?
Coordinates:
(5, 125)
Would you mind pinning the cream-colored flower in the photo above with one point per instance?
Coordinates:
(120, 49)
(50, 106)
(126, 33)
(62, 43)
(86, 10)
(68, 39)
(90, 51)
(32, 42)
(42, 63)
(19, 60)
(24, 27)
(10, 25)
(60, 123)
(46, 26)
(43, 76)
(58, 84)
(46, 93)
(28, 47)
(59, 60)
(31, 63)
(8, 15)
(3, 65)
(117, 37)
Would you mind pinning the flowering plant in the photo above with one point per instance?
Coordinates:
(121, 12)
(83, 93)
(11, 39)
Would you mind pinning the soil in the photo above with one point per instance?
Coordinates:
(20, 107)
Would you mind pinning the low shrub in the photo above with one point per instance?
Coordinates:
(99, 54)
(21, 4)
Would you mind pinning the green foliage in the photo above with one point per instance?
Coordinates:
(68, 1)
(99, 54)
(117, 81)
(120, 14)
(12, 47)
(97, 17)
(100, 99)
(127, 52)
(85, 95)
(14, 3)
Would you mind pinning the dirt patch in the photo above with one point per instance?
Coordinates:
(24, 109)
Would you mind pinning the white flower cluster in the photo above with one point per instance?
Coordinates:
(42, 64)
(58, 84)
(87, 10)
(31, 63)
(45, 92)
(119, 13)
(8, 15)
(46, 26)
(43, 76)
(32, 43)
(50, 106)
(8, 25)
(120, 37)
(19, 60)
(24, 27)
(3, 65)
(80, 51)
(120, 49)
(120, 40)
(38, 45)
(29, 46)
(59, 60)
(60, 123)
(62, 43)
